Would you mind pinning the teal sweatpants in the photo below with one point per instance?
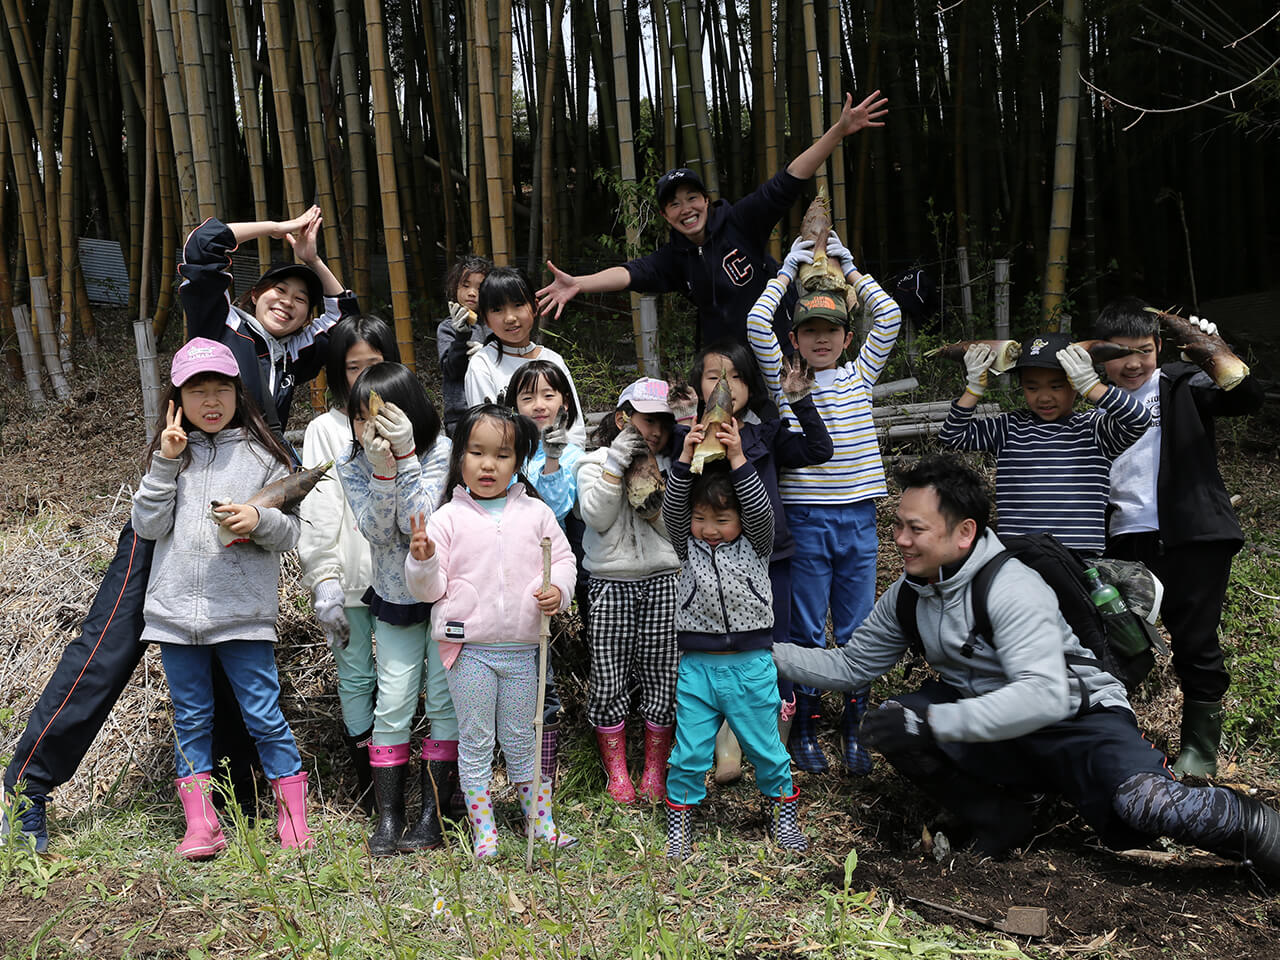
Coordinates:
(357, 673)
(401, 655)
(741, 688)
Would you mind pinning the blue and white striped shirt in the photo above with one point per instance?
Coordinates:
(843, 398)
(1053, 477)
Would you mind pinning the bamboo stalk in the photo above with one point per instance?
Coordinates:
(383, 103)
(659, 12)
(29, 354)
(143, 328)
(197, 92)
(1064, 165)
(684, 89)
(306, 29)
(8, 333)
(133, 124)
(282, 92)
(353, 114)
(444, 124)
(545, 131)
(491, 136)
(48, 163)
(627, 157)
(764, 21)
(693, 34)
(176, 108)
(475, 168)
(70, 114)
(544, 635)
(835, 97)
(169, 211)
(506, 146)
(814, 69)
(247, 88)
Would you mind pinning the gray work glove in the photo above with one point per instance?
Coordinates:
(329, 604)
(555, 438)
(801, 253)
(459, 317)
(626, 446)
(838, 252)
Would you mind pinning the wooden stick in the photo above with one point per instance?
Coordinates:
(543, 635)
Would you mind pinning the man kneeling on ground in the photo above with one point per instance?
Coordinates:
(1010, 714)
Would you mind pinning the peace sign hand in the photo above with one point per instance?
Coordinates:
(420, 546)
(173, 439)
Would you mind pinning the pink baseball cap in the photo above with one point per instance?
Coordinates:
(201, 355)
(646, 395)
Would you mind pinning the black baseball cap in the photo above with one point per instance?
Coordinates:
(1042, 351)
(281, 271)
(679, 177)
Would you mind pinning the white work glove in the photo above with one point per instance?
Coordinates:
(626, 446)
(555, 438)
(977, 361)
(394, 424)
(1204, 326)
(1078, 364)
(459, 317)
(838, 252)
(801, 252)
(683, 402)
(474, 347)
(329, 605)
(378, 449)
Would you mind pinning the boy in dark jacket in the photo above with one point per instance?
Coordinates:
(717, 256)
(1170, 510)
(721, 525)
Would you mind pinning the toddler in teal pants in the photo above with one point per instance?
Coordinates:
(721, 525)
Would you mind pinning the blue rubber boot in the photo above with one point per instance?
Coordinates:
(31, 815)
(857, 758)
(803, 743)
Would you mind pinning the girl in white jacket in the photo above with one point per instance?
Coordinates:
(334, 554)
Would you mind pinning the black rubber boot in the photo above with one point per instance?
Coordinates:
(805, 752)
(1201, 731)
(1261, 836)
(439, 780)
(358, 752)
(388, 784)
(998, 819)
(857, 758)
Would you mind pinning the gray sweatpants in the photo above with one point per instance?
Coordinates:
(495, 690)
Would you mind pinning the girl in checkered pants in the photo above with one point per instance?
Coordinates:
(632, 589)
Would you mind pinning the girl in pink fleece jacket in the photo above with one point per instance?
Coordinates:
(478, 559)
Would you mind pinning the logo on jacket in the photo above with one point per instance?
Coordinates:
(737, 267)
(454, 631)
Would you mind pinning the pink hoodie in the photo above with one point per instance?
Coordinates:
(483, 575)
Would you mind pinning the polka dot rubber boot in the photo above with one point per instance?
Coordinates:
(544, 827)
(484, 831)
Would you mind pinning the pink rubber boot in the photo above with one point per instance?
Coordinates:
(613, 751)
(657, 747)
(204, 836)
(291, 802)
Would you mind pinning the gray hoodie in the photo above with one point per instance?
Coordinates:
(1008, 689)
(201, 592)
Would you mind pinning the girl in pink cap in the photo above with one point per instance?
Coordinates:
(207, 601)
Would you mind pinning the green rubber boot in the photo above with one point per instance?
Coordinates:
(1201, 731)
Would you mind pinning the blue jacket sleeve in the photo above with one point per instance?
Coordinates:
(759, 211)
(659, 272)
(805, 449)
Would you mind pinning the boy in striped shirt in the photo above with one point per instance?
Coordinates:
(1053, 465)
(830, 507)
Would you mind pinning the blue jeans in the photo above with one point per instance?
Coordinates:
(741, 688)
(250, 666)
(834, 567)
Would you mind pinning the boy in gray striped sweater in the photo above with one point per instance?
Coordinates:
(1053, 465)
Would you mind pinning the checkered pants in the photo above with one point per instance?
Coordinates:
(633, 630)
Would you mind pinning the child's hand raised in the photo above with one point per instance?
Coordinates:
(420, 546)
(173, 439)
(548, 600)
(797, 379)
(730, 436)
(691, 440)
(683, 401)
(378, 449)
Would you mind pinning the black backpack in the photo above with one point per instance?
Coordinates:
(1063, 570)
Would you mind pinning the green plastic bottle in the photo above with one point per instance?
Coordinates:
(1123, 631)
